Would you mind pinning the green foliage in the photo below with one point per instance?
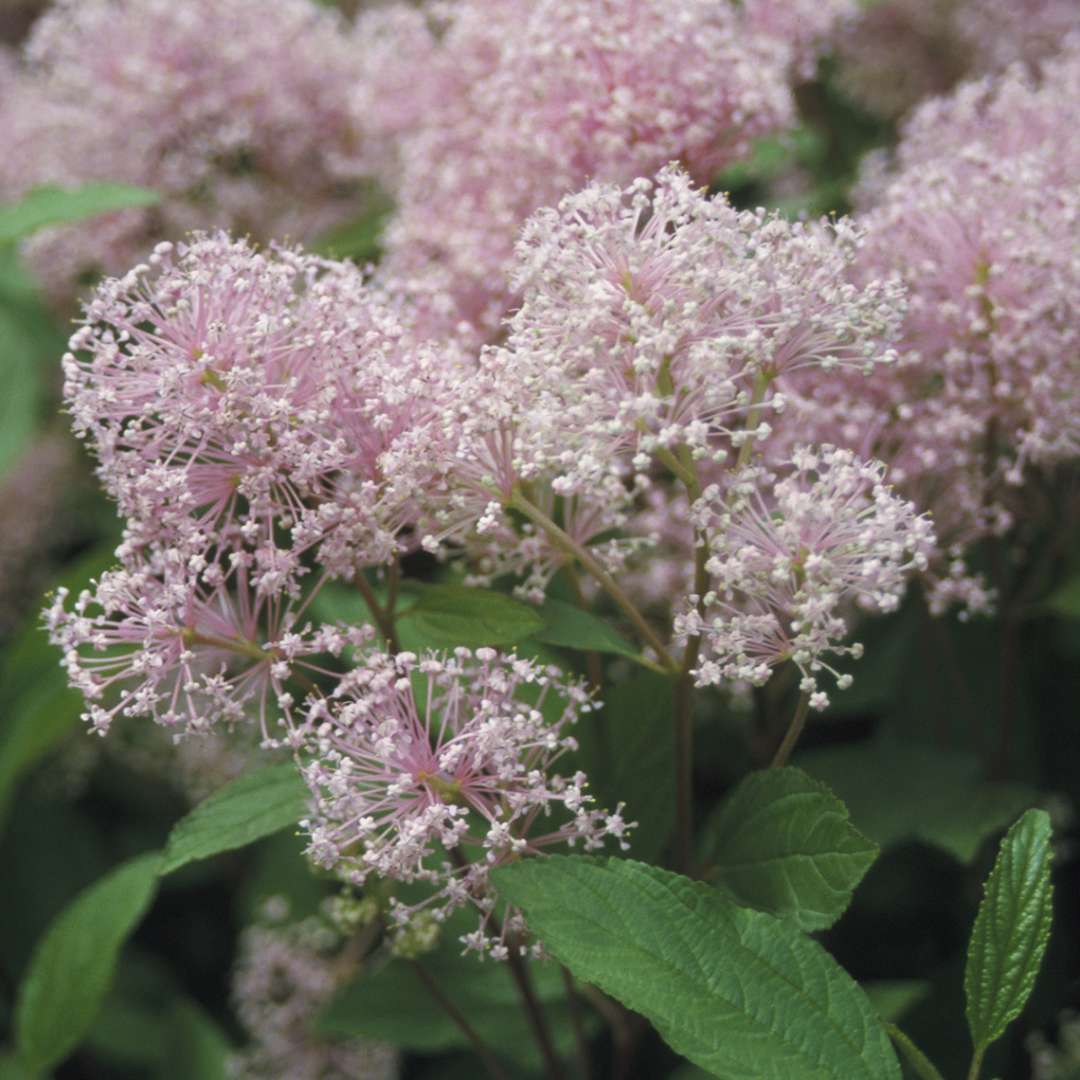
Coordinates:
(445, 616)
(393, 1004)
(572, 628)
(73, 965)
(1011, 930)
(897, 791)
(252, 806)
(738, 992)
(50, 205)
(782, 843)
(39, 710)
(628, 753)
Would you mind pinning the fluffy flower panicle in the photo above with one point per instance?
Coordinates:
(237, 398)
(236, 113)
(788, 556)
(979, 221)
(520, 102)
(155, 640)
(655, 317)
(413, 759)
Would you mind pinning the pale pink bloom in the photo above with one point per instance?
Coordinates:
(804, 27)
(188, 650)
(656, 317)
(979, 221)
(514, 103)
(789, 556)
(414, 759)
(237, 398)
(237, 113)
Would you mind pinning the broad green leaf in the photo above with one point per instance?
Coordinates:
(247, 809)
(445, 616)
(738, 992)
(897, 791)
(1011, 930)
(50, 205)
(628, 752)
(572, 628)
(73, 964)
(395, 1005)
(782, 842)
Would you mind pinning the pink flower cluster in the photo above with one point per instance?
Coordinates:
(247, 410)
(788, 555)
(979, 221)
(234, 397)
(417, 762)
(237, 113)
(504, 106)
(656, 324)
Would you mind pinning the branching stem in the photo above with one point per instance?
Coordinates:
(491, 1063)
(566, 543)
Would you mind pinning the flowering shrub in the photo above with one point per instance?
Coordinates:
(544, 563)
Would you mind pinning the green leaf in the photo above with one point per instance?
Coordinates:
(897, 791)
(445, 616)
(736, 991)
(247, 809)
(572, 628)
(1011, 930)
(782, 843)
(74, 963)
(628, 753)
(50, 205)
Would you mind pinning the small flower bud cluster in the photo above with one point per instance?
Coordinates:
(510, 104)
(284, 976)
(237, 113)
(415, 763)
(788, 556)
